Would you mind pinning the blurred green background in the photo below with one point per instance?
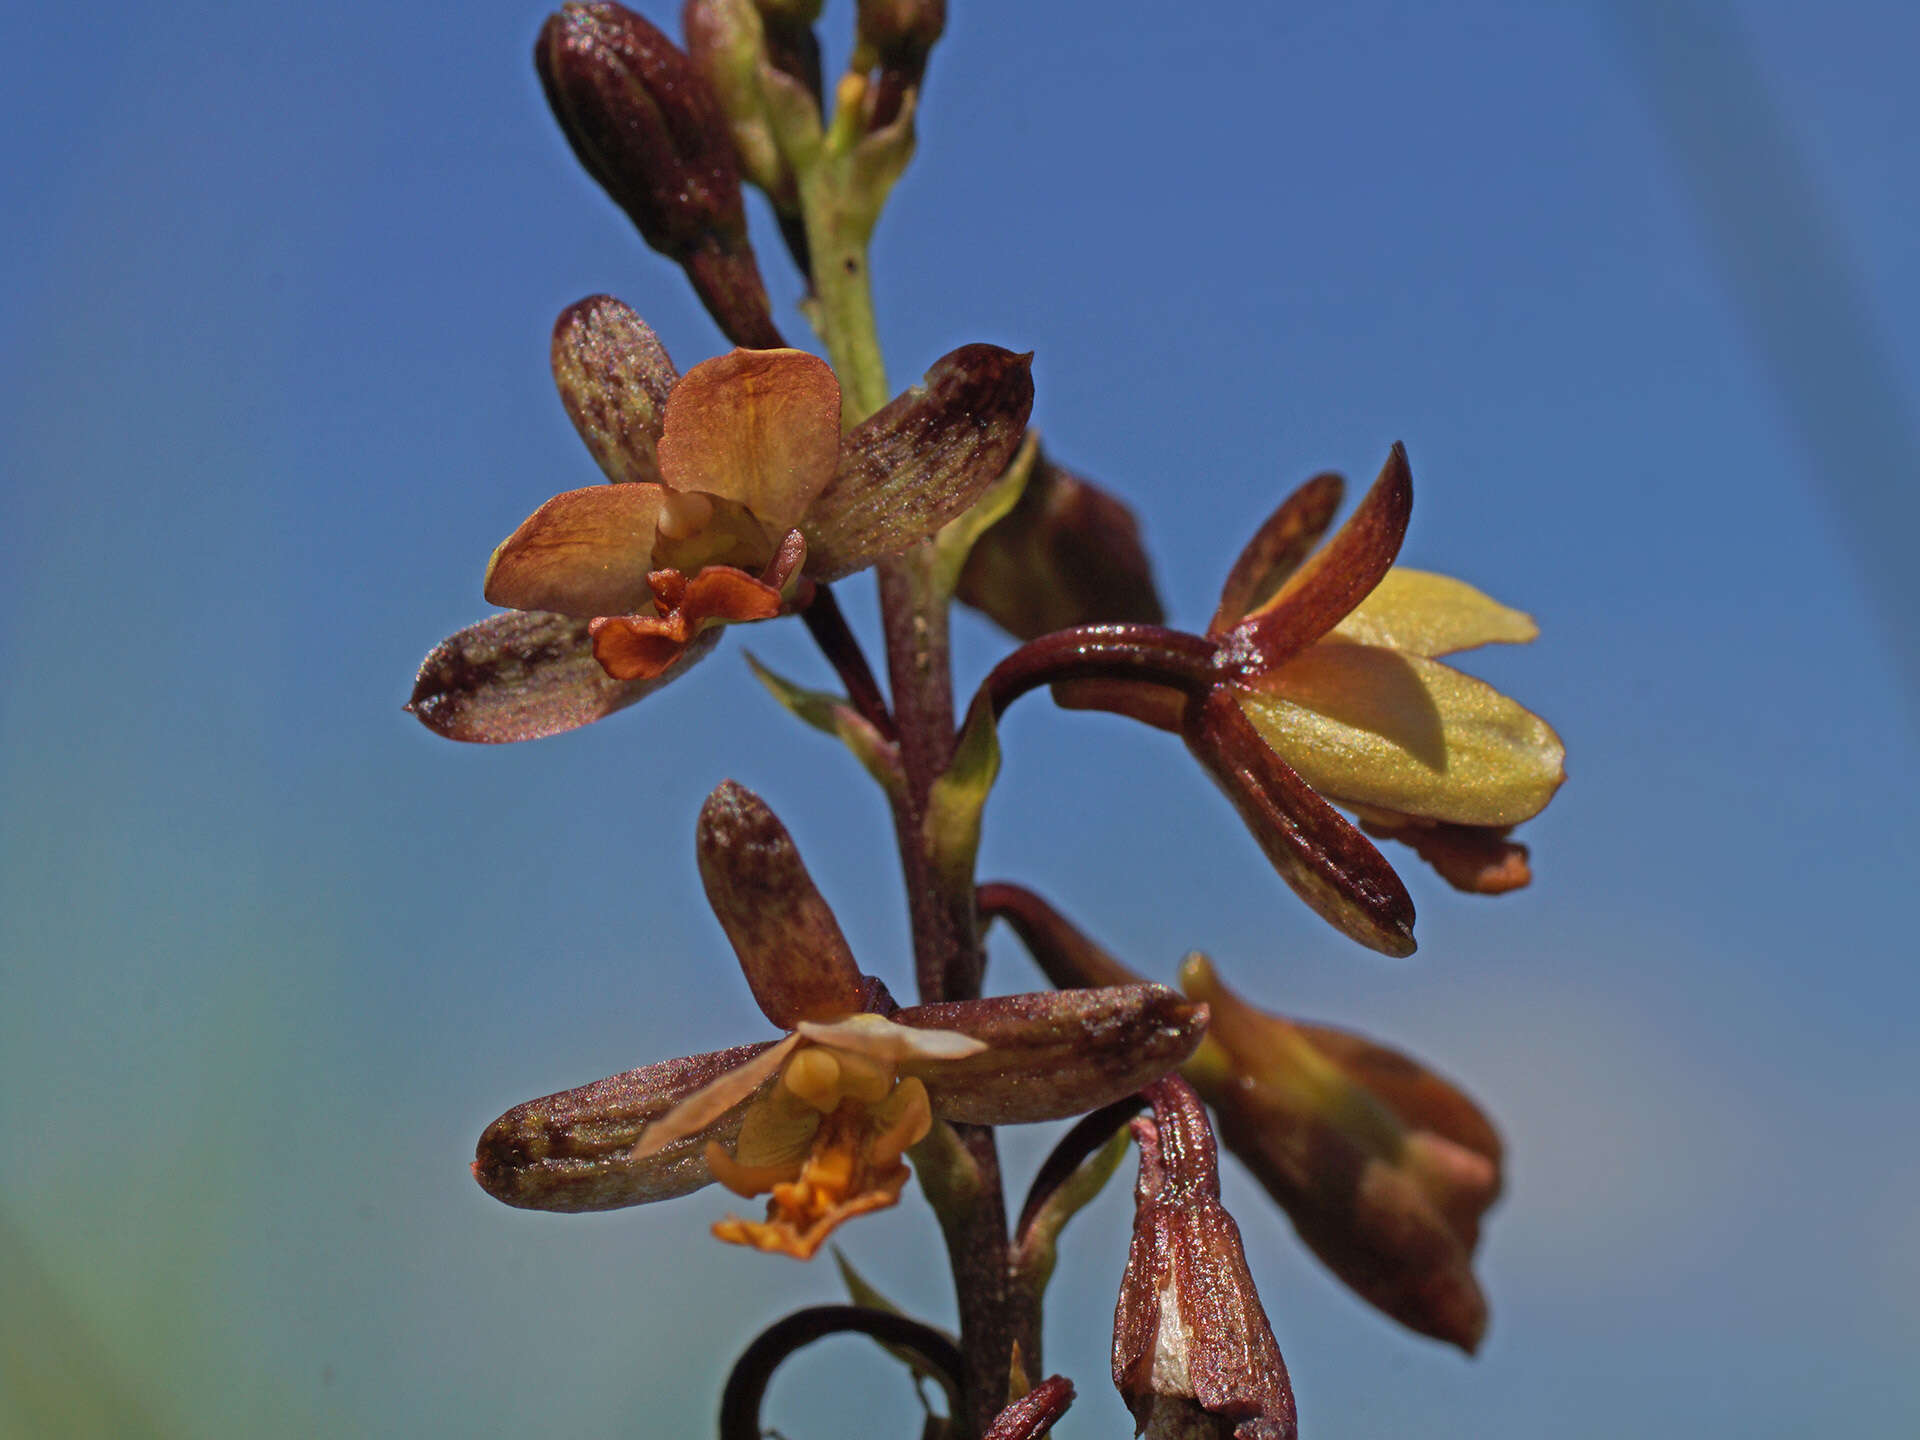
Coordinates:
(1634, 283)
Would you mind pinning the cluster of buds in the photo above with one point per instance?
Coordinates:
(738, 492)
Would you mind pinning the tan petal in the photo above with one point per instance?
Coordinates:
(614, 377)
(574, 1150)
(1277, 548)
(1426, 614)
(583, 553)
(526, 674)
(693, 1115)
(921, 460)
(796, 960)
(1057, 1054)
(1339, 575)
(1328, 863)
(1374, 727)
(758, 426)
(882, 1039)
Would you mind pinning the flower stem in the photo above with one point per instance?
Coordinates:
(1146, 653)
(913, 610)
(842, 648)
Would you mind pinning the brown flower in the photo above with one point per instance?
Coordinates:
(820, 1118)
(1322, 689)
(734, 489)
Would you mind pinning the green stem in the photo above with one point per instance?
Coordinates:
(842, 308)
(913, 609)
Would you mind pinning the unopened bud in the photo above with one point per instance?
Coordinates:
(1035, 1413)
(643, 122)
(1193, 1354)
(898, 34)
(763, 63)
(727, 42)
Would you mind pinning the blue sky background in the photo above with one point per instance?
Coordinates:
(1634, 283)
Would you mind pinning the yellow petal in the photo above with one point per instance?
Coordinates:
(713, 1099)
(778, 1130)
(1427, 614)
(583, 553)
(899, 1122)
(1369, 726)
(758, 426)
(814, 1076)
(746, 1181)
(882, 1039)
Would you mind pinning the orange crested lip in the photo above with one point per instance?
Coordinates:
(640, 647)
(851, 1170)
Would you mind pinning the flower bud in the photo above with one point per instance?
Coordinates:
(1193, 1354)
(1384, 1167)
(644, 124)
(1035, 1413)
(898, 34)
(727, 42)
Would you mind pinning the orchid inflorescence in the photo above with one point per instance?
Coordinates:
(740, 492)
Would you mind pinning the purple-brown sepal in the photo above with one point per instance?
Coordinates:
(1193, 1353)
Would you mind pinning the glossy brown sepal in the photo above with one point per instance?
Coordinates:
(797, 962)
(1055, 1054)
(1193, 1352)
(524, 675)
(921, 459)
(1328, 863)
(1335, 578)
(1068, 553)
(1285, 539)
(574, 1151)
